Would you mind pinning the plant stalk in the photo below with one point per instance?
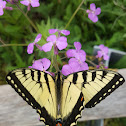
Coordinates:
(74, 14)
(6, 45)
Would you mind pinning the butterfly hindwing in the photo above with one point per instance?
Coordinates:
(96, 85)
(72, 103)
(34, 87)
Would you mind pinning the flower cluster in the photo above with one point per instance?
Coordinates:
(59, 42)
(77, 61)
(77, 56)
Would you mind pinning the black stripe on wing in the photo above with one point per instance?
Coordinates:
(24, 93)
(76, 113)
(107, 90)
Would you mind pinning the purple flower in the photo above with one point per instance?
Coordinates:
(103, 52)
(30, 47)
(33, 3)
(58, 43)
(69, 68)
(2, 6)
(77, 52)
(42, 65)
(65, 32)
(74, 66)
(83, 65)
(93, 12)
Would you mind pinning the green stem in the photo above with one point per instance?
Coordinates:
(33, 25)
(55, 63)
(2, 41)
(74, 14)
(6, 45)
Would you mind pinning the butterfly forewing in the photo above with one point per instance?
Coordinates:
(96, 85)
(34, 87)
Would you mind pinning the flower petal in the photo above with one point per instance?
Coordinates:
(35, 4)
(84, 66)
(51, 73)
(75, 66)
(82, 56)
(30, 48)
(65, 32)
(1, 11)
(92, 7)
(38, 38)
(93, 17)
(38, 65)
(105, 57)
(25, 2)
(47, 47)
(77, 45)
(66, 70)
(72, 60)
(51, 38)
(70, 68)
(98, 11)
(52, 31)
(4, 4)
(101, 46)
(61, 43)
(105, 50)
(99, 54)
(70, 53)
(88, 11)
(46, 63)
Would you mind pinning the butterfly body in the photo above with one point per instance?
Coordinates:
(60, 101)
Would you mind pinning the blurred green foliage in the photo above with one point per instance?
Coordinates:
(15, 29)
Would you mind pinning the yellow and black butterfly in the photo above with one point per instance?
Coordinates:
(59, 101)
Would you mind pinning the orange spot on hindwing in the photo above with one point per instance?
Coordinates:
(58, 124)
(82, 98)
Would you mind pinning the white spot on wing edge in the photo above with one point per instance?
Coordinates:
(120, 79)
(9, 78)
(78, 116)
(42, 119)
(117, 82)
(12, 81)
